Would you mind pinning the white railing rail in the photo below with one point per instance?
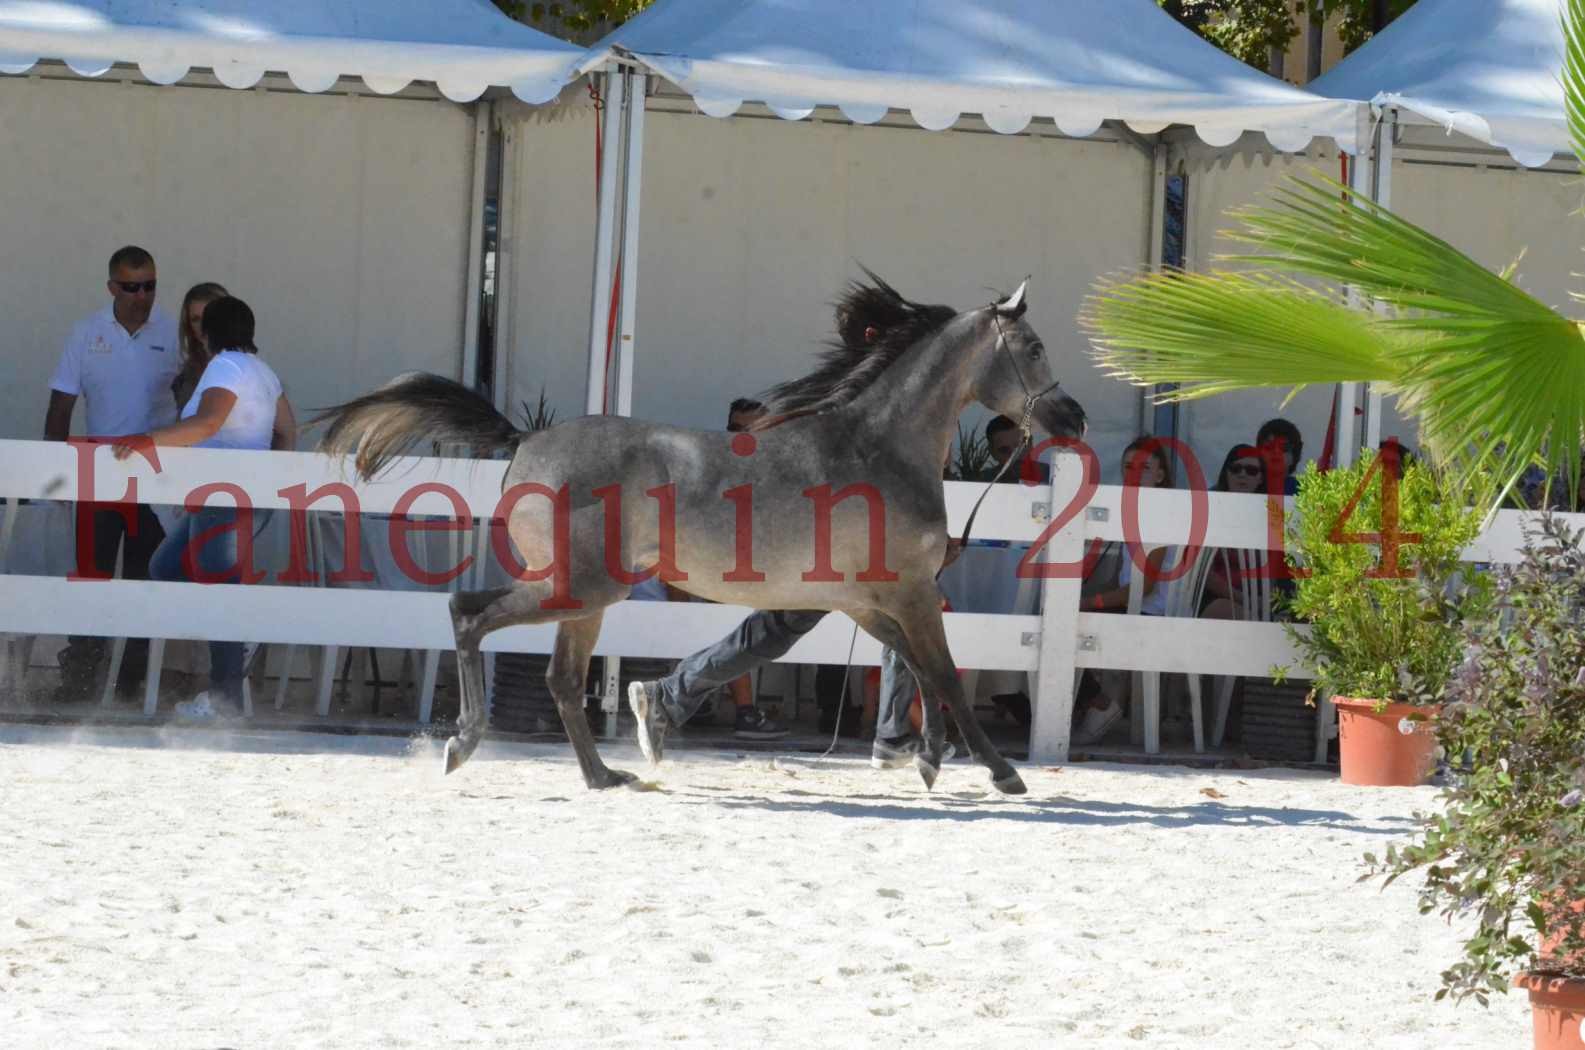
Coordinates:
(1053, 644)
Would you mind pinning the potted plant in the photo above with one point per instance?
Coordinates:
(1380, 591)
(1508, 847)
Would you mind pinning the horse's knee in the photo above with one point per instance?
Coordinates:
(467, 607)
(564, 682)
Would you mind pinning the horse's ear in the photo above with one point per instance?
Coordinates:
(1014, 305)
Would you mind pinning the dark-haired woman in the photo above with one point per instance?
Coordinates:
(1245, 470)
(237, 404)
(1103, 694)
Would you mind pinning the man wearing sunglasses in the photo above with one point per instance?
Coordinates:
(121, 359)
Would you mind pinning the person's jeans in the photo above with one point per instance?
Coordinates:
(211, 536)
(83, 655)
(761, 638)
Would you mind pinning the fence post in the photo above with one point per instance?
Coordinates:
(1059, 618)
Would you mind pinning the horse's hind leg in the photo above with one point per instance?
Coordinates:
(917, 633)
(470, 622)
(569, 669)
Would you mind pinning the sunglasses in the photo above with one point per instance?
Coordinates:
(1248, 470)
(134, 287)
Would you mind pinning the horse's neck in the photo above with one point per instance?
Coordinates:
(921, 396)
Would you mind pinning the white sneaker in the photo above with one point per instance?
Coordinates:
(1096, 722)
(198, 708)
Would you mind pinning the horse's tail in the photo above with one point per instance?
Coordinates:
(412, 408)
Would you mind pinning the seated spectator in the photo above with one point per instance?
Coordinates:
(1278, 436)
(1003, 439)
(238, 404)
(1243, 470)
(1099, 704)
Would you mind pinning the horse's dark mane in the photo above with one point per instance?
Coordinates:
(849, 365)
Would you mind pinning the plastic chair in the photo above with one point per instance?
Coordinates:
(1255, 599)
(18, 647)
(1184, 595)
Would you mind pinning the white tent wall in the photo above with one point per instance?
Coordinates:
(343, 220)
(1491, 213)
(1211, 427)
(752, 226)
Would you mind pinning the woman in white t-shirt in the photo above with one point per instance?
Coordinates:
(238, 404)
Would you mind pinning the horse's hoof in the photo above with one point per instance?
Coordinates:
(614, 778)
(927, 771)
(454, 756)
(1011, 784)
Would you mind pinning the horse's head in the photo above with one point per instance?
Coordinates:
(1014, 373)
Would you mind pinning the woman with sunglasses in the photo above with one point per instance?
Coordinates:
(237, 404)
(1244, 469)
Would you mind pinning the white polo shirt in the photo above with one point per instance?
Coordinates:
(125, 378)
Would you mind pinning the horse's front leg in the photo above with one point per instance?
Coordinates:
(915, 629)
(569, 671)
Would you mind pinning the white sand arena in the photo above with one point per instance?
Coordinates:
(185, 889)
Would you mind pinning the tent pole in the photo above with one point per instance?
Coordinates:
(483, 117)
(1154, 249)
(1382, 195)
(505, 242)
(1361, 183)
(633, 186)
(600, 304)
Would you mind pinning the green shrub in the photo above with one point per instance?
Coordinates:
(1394, 638)
(1509, 845)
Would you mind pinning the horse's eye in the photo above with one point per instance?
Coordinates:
(1036, 351)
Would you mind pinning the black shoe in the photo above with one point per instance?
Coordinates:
(644, 700)
(752, 724)
(895, 752)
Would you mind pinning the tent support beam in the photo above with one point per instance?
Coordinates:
(483, 118)
(605, 228)
(1361, 180)
(1156, 248)
(1143, 143)
(1381, 193)
(632, 188)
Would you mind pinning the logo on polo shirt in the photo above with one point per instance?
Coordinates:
(100, 345)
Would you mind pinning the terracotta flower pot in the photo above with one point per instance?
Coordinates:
(1552, 956)
(1557, 1007)
(1375, 753)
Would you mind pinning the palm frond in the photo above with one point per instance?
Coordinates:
(1318, 230)
(1574, 75)
(1496, 377)
(1216, 332)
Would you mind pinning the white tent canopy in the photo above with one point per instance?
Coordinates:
(462, 46)
(1078, 62)
(1488, 69)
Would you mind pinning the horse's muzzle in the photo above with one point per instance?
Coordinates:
(1060, 416)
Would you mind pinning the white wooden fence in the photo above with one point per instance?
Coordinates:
(1053, 645)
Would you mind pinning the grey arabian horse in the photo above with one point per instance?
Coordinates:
(835, 502)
